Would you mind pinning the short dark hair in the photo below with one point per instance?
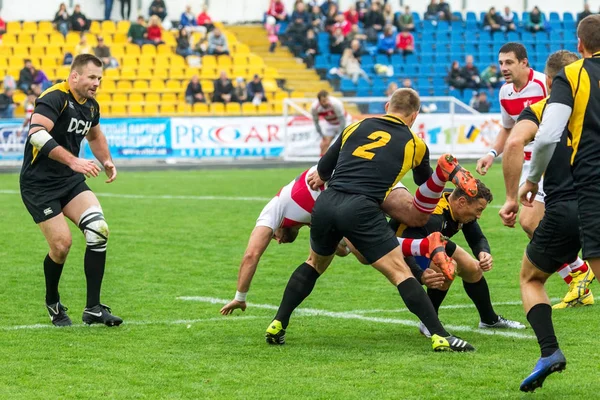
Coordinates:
(588, 32)
(483, 192)
(289, 235)
(83, 60)
(558, 60)
(322, 94)
(404, 101)
(517, 48)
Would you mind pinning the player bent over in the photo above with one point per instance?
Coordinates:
(53, 184)
(369, 158)
(334, 115)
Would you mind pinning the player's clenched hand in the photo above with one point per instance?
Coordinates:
(233, 305)
(508, 213)
(484, 163)
(486, 262)
(315, 181)
(432, 279)
(527, 193)
(111, 171)
(86, 167)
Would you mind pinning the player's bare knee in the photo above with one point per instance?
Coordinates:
(470, 271)
(59, 248)
(529, 222)
(94, 227)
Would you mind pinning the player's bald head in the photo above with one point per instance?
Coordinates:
(558, 60)
(404, 101)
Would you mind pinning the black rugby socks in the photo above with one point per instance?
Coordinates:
(94, 264)
(299, 286)
(540, 318)
(418, 303)
(52, 273)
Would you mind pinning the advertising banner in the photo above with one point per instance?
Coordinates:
(12, 140)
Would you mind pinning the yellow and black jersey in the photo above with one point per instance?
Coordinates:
(578, 86)
(558, 180)
(72, 121)
(442, 220)
(372, 155)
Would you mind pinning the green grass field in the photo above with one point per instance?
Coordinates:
(167, 242)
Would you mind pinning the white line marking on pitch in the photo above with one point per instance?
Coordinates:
(349, 315)
(136, 323)
(165, 196)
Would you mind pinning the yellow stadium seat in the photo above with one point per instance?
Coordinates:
(63, 71)
(108, 27)
(104, 98)
(200, 108)
(178, 61)
(151, 110)
(49, 62)
(177, 73)
(128, 74)
(36, 51)
(173, 84)
(72, 38)
(119, 38)
(9, 39)
(19, 97)
(108, 86)
(145, 73)
(278, 107)
(149, 50)
(92, 39)
(95, 27)
(117, 50)
(265, 108)
(208, 85)
(169, 97)
(184, 109)
(45, 27)
(233, 108)
(209, 61)
(217, 108)
(129, 62)
(241, 48)
(209, 73)
(140, 85)
(136, 98)
(132, 49)
(164, 49)
(25, 39)
(57, 39)
(124, 85)
(13, 26)
(14, 71)
(152, 98)
(112, 73)
(120, 98)
(40, 39)
(135, 109)
(123, 26)
(146, 60)
(3, 63)
(239, 71)
(224, 61)
(169, 39)
(240, 60)
(167, 109)
(157, 84)
(118, 110)
(54, 51)
(297, 95)
(255, 60)
(29, 27)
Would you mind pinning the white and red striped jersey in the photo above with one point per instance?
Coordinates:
(512, 102)
(334, 113)
(292, 206)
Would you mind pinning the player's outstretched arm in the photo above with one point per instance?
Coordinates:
(40, 138)
(512, 163)
(485, 162)
(99, 147)
(258, 243)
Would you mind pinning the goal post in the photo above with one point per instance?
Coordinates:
(445, 123)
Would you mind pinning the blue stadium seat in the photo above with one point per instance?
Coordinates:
(416, 17)
(513, 37)
(554, 16)
(542, 38)
(471, 26)
(481, 17)
(443, 26)
(569, 26)
(471, 16)
(568, 17)
(411, 69)
(525, 16)
(321, 62)
(382, 59)
(485, 38)
(457, 15)
(498, 38)
(334, 59)
(363, 92)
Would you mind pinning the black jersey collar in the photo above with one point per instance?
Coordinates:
(394, 118)
(596, 54)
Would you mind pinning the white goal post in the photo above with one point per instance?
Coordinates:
(445, 123)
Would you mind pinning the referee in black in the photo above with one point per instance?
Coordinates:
(369, 158)
(53, 184)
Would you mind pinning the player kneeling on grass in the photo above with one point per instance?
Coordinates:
(53, 184)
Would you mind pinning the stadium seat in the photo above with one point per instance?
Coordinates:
(233, 108)
(152, 98)
(151, 109)
(217, 108)
(200, 108)
(135, 109)
(121, 98)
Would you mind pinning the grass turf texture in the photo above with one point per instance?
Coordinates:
(164, 248)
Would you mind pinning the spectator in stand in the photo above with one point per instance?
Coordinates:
(108, 6)
(184, 47)
(40, 82)
(455, 78)
(83, 47)
(357, 50)
(217, 43)
(492, 22)
(79, 22)
(481, 103)
(350, 67)
(362, 7)
(387, 42)
(585, 13)
(340, 22)
(256, 91)
(137, 32)
(154, 33)
(240, 92)
(405, 21)
(295, 35)
(61, 19)
(26, 76)
(223, 90)
(193, 92)
(7, 105)
(352, 16)
(316, 20)
(102, 51)
(326, 6)
(272, 32)
(2, 28)
(330, 18)
(508, 19)
(407, 83)
(470, 73)
(310, 48)
(300, 12)
(536, 21)
(158, 8)
(188, 21)
(205, 20)
(355, 34)
(201, 47)
(444, 13)
(277, 10)
(373, 23)
(337, 42)
(388, 14)
(432, 11)
(490, 77)
(392, 87)
(9, 82)
(405, 42)
(126, 15)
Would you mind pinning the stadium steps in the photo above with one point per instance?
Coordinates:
(299, 80)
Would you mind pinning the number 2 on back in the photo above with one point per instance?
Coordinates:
(381, 138)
